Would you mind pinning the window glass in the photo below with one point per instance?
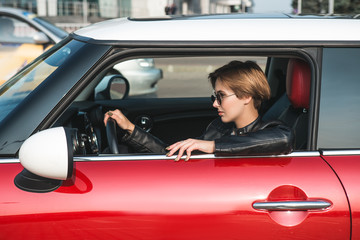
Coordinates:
(174, 77)
(339, 123)
(22, 84)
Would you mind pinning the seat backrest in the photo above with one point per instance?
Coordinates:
(292, 107)
(298, 79)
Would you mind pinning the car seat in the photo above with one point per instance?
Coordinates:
(292, 107)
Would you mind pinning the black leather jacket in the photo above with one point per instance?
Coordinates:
(258, 138)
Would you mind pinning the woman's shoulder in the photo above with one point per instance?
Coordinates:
(259, 125)
(272, 124)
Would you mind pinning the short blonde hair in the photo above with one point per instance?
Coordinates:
(246, 79)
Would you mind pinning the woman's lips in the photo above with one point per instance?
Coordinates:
(220, 113)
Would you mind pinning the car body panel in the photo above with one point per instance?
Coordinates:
(200, 199)
(347, 167)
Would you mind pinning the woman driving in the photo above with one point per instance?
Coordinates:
(239, 89)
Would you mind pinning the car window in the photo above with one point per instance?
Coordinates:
(339, 124)
(178, 106)
(15, 31)
(156, 77)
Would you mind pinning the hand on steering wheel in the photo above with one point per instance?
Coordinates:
(110, 120)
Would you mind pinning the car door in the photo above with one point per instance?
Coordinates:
(338, 133)
(152, 197)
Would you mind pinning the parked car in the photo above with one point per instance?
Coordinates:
(23, 37)
(59, 180)
(142, 75)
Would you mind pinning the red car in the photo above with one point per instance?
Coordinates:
(59, 180)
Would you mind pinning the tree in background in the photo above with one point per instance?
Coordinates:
(321, 6)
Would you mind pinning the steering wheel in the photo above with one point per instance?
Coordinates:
(111, 136)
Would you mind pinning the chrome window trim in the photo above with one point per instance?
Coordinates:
(343, 152)
(110, 157)
(9, 160)
(133, 157)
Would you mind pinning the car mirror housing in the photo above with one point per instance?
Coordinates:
(40, 38)
(112, 87)
(49, 153)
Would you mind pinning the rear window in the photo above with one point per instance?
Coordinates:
(339, 122)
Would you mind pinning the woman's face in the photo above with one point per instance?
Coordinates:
(232, 108)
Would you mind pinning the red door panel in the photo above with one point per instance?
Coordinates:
(163, 199)
(348, 169)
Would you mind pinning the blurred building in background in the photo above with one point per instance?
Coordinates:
(74, 14)
(133, 8)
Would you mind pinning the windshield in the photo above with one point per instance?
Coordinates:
(22, 84)
(55, 30)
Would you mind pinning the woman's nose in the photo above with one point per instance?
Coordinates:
(216, 104)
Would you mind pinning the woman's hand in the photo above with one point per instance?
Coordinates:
(190, 145)
(120, 119)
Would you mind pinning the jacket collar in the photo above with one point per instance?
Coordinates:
(249, 128)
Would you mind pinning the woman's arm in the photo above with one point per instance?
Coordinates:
(278, 139)
(134, 136)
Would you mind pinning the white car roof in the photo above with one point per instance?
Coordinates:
(230, 27)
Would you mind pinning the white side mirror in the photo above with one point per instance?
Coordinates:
(49, 153)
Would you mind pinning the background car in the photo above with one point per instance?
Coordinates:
(25, 38)
(142, 75)
(61, 179)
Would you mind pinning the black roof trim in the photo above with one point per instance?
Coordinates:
(211, 16)
(241, 16)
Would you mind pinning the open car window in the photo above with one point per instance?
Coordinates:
(169, 97)
(174, 77)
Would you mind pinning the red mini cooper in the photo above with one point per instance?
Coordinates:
(60, 180)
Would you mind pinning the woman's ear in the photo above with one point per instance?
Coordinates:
(247, 100)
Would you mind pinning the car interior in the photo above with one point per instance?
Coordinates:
(188, 110)
(293, 105)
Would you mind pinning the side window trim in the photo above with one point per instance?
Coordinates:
(148, 157)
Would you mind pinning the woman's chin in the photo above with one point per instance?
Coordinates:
(224, 119)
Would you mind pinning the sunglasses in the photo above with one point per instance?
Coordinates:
(219, 97)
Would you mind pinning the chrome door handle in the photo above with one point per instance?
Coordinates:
(292, 205)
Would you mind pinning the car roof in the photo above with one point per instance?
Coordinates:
(227, 27)
(17, 11)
